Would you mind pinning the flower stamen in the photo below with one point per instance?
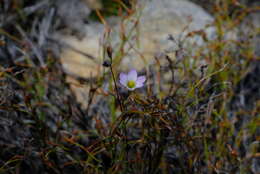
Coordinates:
(131, 84)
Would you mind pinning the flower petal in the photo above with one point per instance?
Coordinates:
(141, 79)
(139, 84)
(132, 75)
(123, 79)
(131, 89)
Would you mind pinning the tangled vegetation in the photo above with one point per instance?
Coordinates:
(203, 118)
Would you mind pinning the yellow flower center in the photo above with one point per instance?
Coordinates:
(131, 84)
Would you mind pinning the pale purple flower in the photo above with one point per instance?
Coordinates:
(131, 81)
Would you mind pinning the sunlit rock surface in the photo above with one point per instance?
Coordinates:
(158, 20)
(146, 33)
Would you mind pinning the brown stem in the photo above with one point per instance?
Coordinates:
(117, 93)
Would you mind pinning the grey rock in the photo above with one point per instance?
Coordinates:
(155, 19)
(73, 13)
(251, 24)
